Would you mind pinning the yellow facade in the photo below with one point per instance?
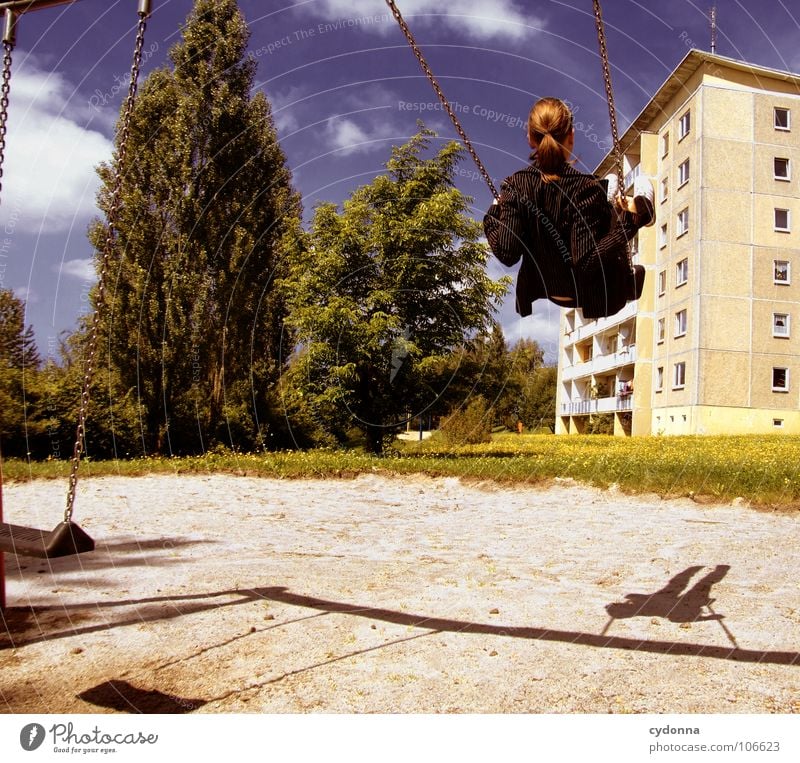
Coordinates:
(713, 345)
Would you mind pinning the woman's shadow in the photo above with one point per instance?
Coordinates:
(674, 603)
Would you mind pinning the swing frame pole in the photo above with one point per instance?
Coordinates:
(21, 6)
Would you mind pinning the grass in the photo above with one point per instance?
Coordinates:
(764, 470)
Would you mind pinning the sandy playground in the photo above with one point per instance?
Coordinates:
(223, 594)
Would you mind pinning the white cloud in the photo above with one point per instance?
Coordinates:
(542, 326)
(27, 295)
(501, 19)
(82, 269)
(297, 107)
(285, 105)
(347, 137)
(49, 179)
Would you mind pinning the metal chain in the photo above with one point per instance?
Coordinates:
(612, 112)
(429, 74)
(5, 89)
(111, 217)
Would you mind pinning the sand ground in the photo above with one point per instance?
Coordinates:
(221, 594)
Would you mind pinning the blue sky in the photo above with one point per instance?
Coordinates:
(344, 87)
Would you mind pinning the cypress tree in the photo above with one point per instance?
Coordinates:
(193, 316)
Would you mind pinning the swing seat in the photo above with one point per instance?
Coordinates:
(66, 539)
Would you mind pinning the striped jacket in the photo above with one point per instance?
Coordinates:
(571, 241)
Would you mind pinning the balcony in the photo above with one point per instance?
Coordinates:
(600, 364)
(601, 324)
(597, 405)
(631, 177)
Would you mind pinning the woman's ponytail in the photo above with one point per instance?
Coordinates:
(549, 126)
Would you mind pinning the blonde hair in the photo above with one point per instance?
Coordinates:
(549, 125)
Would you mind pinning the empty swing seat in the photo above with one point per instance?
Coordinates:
(66, 539)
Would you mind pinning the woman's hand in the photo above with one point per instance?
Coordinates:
(626, 204)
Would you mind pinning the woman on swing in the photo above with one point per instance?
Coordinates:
(570, 230)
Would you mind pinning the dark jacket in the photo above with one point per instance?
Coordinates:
(571, 241)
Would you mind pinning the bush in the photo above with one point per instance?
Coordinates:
(470, 425)
(601, 423)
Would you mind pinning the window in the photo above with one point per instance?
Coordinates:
(780, 379)
(662, 330)
(777, 423)
(662, 236)
(662, 282)
(683, 222)
(783, 168)
(665, 145)
(781, 324)
(683, 173)
(783, 119)
(682, 272)
(782, 220)
(782, 272)
(680, 323)
(684, 125)
(659, 378)
(679, 376)
(664, 189)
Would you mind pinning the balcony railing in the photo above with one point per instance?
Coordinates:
(631, 176)
(600, 364)
(601, 324)
(597, 405)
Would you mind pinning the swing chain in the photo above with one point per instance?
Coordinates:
(5, 89)
(612, 112)
(431, 77)
(111, 217)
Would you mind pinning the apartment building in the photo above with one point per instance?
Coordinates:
(713, 345)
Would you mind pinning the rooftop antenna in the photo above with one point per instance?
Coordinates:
(712, 15)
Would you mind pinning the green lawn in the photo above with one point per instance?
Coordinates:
(762, 469)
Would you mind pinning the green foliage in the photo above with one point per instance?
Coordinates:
(470, 425)
(17, 343)
(19, 368)
(760, 469)
(389, 286)
(114, 415)
(515, 381)
(193, 322)
(601, 423)
(538, 399)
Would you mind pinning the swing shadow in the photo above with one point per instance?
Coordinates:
(672, 602)
(149, 552)
(164, 608)
(123, 697)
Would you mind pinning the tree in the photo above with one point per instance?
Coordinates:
(113, 417)
(19, 366)
(192, 325)
(391, 283)
(480, 368)
(538, 407)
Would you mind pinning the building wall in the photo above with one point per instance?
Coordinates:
(732, 298)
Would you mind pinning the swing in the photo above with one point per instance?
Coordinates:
(67, 538)
(631, 287)
(601, 39)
